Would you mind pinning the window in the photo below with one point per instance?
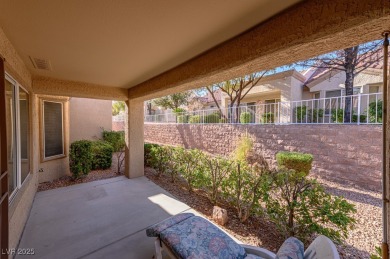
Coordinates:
(317, 95)
(53, 130)
(333, 102)
(18, 134)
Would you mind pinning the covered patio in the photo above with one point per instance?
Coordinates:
(101, 219)
(134, 51)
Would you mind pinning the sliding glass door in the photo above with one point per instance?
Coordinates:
(18, 134)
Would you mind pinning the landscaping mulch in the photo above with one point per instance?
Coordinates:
(92, 176)
(260, 232)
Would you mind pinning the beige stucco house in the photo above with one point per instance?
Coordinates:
(134, 51)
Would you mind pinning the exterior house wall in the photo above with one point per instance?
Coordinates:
(342, 153)
(88, 117)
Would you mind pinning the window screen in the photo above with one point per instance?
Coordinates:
(53, 125)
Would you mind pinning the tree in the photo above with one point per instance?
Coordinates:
(172, 101)
(352, 61)
(118, 107)
(236, 89)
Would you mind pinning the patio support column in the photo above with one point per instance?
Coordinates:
(134, 136)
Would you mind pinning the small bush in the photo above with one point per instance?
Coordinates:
(223, 120)
(191, 167)
(159, 159)
(375, 111)
(80, 158)
(117, 141)
(300, 113)
(337, 115)
(363, 118)
(212, 118)
(147, 153)
(268, 117)
(316, 115)
(300, 207)
(296, 161)
(245, 117)
(182, 118)
(101, 155)
(194, 119)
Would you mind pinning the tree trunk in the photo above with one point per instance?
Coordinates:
(291, 222)
(349, 65)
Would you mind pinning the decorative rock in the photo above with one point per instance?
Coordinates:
(220, 215)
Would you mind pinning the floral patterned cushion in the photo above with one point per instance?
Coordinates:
(196, 237)
(292, 248)
(156, 229)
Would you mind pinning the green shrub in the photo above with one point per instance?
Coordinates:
(377, 254)
(80, 158)
(363, 118)
(300, 207)
(117, 141)
(337, 116)
(101, 155)
(375, 111)
(217, 170)
(159, 159)
(316, 115)
(191, 167)
(268, 117)
(223, 120)
(182, 118)
(245, 117)
(243, 149)
(147, 153)
(213, 118)
(300, 113)
(299, 162)
(194, 119)
(179, 110)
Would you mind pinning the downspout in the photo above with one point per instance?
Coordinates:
(385, 246)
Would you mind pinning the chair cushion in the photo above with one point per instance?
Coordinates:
(196, 237)
(292, 248)
(156, 229)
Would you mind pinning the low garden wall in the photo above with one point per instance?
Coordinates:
(342, 153)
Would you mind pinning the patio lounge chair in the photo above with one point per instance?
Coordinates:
(188, 236)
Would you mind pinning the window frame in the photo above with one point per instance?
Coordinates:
(16, 140)
(42, 129)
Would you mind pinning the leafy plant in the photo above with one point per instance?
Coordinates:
(300, 207)
(182, 118)
(316, 115)
(299, 162)
(243, 149)
(191, 166)
(268, 117)
(101, 155)
(362, 118)
(80, 158)
(377, 254)
(337, 115)
(159, 159)
(375, 111)
(147, 153)
(300, 113)
(194, 119)
(245, 117)
(213, 118)
(217, 169)
(117, 141)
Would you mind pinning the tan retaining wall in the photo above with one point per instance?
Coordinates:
(342, 153)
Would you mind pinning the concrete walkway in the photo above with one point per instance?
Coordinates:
(101, 219)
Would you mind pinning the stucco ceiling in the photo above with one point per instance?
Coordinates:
(122, 43)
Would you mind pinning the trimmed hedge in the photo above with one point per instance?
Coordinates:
(213, 118)
(268, 117)
(80, 158)
(194, 119)
(101, 155)
(245, 117)
(116, 139)
(299, 162)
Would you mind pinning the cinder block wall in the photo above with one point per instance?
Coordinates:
(342, 153)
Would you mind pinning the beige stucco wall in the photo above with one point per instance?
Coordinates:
(88, 117)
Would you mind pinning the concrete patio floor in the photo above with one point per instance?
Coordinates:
(101, 219)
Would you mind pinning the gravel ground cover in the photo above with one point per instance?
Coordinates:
(260, 232)
(92, 176)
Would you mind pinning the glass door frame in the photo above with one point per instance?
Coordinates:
(16, 140)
